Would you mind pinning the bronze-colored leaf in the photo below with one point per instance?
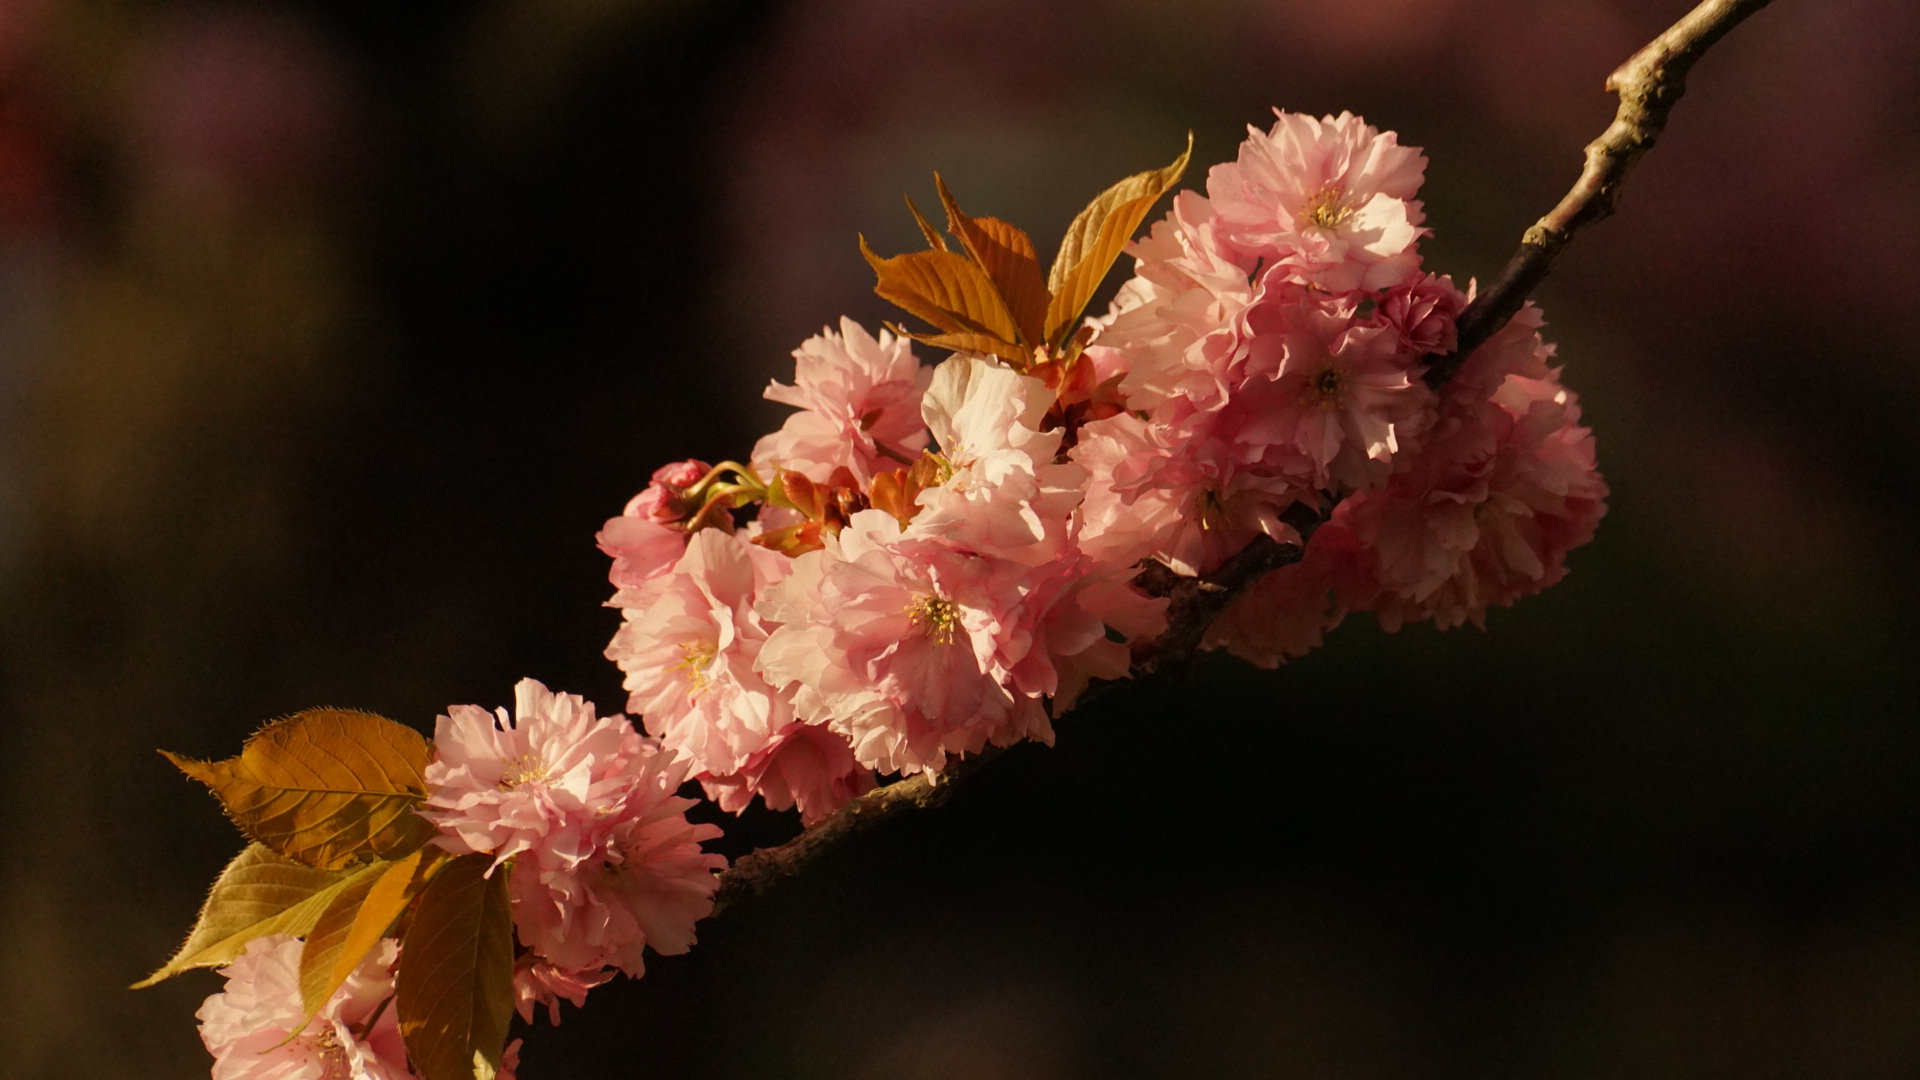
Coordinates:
(945, 289)
(1096, 238)
(1016, 355)
(934, 239)
(1006, 254)
(357, 918)
(259, 893)
(454, 993)
(329, 787)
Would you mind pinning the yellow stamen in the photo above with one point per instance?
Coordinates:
(936, 617)
(1327, 208)
(524, 769)
(696, 657)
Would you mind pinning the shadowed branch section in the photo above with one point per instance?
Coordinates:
(1649, 84)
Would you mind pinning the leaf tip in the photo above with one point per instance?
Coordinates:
(193, 767)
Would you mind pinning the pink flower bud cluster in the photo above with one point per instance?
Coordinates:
(604, 861)
(941, 559)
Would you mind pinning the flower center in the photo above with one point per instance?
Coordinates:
(936, 617)
(1213, 510)
(333, 1057)
(695, 658)
(525, 769)
(1325, 389)
(1327, 208)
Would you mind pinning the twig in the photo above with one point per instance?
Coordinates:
(758, 871)
(1648, 85)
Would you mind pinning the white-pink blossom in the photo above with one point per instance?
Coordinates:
(859, 402)
(1001, 493)
(1327, 202)
(1174, 327)
(256, 1027)
(543, 781)
(688, 645)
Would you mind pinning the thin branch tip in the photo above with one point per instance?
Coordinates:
(1649, 83)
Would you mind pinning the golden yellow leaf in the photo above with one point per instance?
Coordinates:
(454, 993)
(260, 892)
(1016, 355)
(934, 240)
(1006, 254)
(357, 918)
(1096, 238)
(943, 288)
(329, 787)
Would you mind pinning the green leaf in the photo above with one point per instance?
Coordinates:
(329, 787)
(454, 991)
(359, 915)
(260, 892)
(1096, 238)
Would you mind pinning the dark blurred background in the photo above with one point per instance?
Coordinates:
(330, 333)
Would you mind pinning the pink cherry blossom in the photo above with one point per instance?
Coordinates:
(689, 651)
(536, 982)
(1336, 396)
(1002, 494)
(803, 766)
(1327, 202)
(607, 863)
(543, 781)
(1088, 630)
(646, 538)
(1281, 616)
(860, 406)
(1503, 491)
(1174, 327)
(644, 885)
(1188, 500)
(1421, 312)
(254, 1027)
(900, 642)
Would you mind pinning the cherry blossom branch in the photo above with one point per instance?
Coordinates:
(1649, 84)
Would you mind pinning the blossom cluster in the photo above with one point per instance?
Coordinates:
(604, 861)
(924, 561)
(579, 812)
